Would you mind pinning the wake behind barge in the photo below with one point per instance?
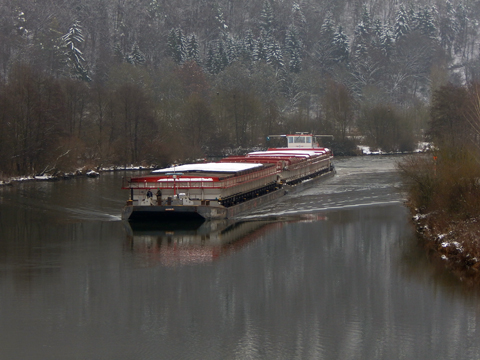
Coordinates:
(224, 189)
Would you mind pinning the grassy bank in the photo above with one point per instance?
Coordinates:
(443, 192)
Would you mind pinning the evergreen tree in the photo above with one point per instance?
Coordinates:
(275, 55)
(210, 62)
(328, 27)
(247, 47)
(217, 58)
(76, 63)
(249, 41)
(377, 28)
(324, 48)
(154, 9)
(231, 49)
(117, 53)
(363, 34)
(136, 57)
(425, 22)
(299, 21)
(413, 17)
(377, 33)
(402, 26)
(448, 27)
(172, 44)
(261, 49)
(222, 25)
(387, 40)
(193, 52)
(51, 50)
(267, 19)
(293, 46)
(341, 47)
(461, 20)
(177, 46)
(366, 23)
(19, 23)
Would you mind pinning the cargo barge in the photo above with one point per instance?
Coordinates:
(224, 189)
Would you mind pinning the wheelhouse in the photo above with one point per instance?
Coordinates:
(301, 141)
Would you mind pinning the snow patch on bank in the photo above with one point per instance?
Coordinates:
(421, 147)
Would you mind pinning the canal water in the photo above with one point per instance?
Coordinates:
(332, 272)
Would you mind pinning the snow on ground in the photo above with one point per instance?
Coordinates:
(421, 147)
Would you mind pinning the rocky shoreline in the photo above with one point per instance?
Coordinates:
(70, 175)
(453, 243)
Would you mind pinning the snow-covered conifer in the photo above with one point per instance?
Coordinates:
(426, 22)
(462, 21)
(232, 49)
(193, 53)
(297, 15)
(366, 23)
(402, 26)
(221, 59)
(325, 49)
(275, 55)
(118, 53)
(328, 27)
(20, 22)
(177, 46)
(153, 9)
(267, 18)
(341, 46)
(136, 57)
(387, 40)
(448, 27)
(295, 62)
(293, 47)
(377, 33)
(222, 25)
(210, 60)
(261, 47)
(249, 41)
(72, 40)
(363, 34)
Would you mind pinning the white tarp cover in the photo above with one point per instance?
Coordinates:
(209, 167)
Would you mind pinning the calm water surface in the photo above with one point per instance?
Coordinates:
(333, 272)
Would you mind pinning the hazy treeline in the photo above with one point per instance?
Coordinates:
(90, 82)
(446, 181)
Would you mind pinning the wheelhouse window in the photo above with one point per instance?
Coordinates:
(300, 141)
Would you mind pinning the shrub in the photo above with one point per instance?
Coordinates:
(446, 181)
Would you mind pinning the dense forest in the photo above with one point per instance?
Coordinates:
(114, 82)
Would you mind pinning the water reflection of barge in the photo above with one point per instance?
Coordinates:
(191, 242)
(226, 188)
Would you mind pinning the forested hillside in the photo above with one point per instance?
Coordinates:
(100, 82)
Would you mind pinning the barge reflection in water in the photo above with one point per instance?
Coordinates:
(194, 242)
(190, 242)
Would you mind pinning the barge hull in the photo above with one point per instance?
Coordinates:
(195, 212)
(173, 212)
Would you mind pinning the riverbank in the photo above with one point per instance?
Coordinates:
(443, 195)
(96, 171)
(454, 244)
(70, 175)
